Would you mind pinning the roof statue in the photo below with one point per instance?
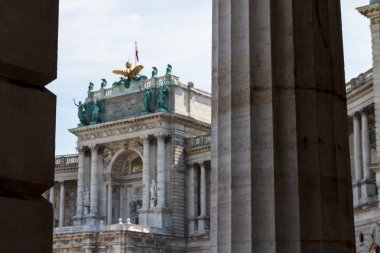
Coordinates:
(129, 74)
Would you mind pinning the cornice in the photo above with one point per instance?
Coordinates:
(133, 125)
(198, 150)
(359, 92)
(370, 11)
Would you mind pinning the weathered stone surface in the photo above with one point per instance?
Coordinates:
(282, 146)
(26, 224)
(28, 41)
(27, 143)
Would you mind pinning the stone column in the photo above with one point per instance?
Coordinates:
(146, 172)
(202, 221)
(161, 171)
(62, 205)
(129, 198)
(282, 145)
(80, 184)
(51, 196)
(191, 201)
(372, 12)
(121, 201)
(203, 189)
(94, 181)
(365, 146)
(109, 203)
(357, 149)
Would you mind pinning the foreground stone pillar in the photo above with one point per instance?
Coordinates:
(161, 171)
(28, 62)
(80, 185)
(94, 181)
(62, 204)
(281, 128)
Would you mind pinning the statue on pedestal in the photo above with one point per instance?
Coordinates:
(147, 99)
(154, 72)
(153, 193)
(95, 113)
(82, 112)
(103, 84)
(169, 69)
(162, 94)
(90, 87)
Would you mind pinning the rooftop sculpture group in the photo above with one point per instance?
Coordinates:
(154, 98)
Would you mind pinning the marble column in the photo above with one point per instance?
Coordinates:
(128, 199)
(202, 219)
(365, 146)
(358, 162)
(372, 13)
(121, 201)
(94, 181)
(203, 189)
(109, 203)
(80, 184)
(281, 128)
(51, 196)
(191, 201)
(146, 172)
(161, 171)
(62, 205)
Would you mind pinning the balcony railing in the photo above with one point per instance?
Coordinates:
(63, 161)
(359, 81)
(149, 83)
(198, 141)
(108, 228)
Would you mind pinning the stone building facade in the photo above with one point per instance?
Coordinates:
(363, 101)
(141, 179)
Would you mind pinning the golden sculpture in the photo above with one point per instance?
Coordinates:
(129, 72)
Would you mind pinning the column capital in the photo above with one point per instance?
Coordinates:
(145, 139)
(81, 150)
(162, 136)
(94, 148)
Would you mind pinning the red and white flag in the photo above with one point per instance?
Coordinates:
(137, 52)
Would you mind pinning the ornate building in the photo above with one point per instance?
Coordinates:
(141, 179)
(363, 99)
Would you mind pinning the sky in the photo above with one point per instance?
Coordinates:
(98, 36)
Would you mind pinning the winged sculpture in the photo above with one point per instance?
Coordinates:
(129, 72)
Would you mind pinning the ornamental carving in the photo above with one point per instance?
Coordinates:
(120, 131)
(107, 156)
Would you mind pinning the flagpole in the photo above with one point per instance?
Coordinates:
(135, 52)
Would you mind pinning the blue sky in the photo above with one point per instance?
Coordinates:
(96, 37)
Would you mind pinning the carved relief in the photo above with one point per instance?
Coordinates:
(120, 131)
(107, 156)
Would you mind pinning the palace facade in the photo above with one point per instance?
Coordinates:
(363, 100)
(141, 179)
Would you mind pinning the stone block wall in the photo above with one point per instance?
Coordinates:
(28, 62)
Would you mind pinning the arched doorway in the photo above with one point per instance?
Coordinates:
(124, 186)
